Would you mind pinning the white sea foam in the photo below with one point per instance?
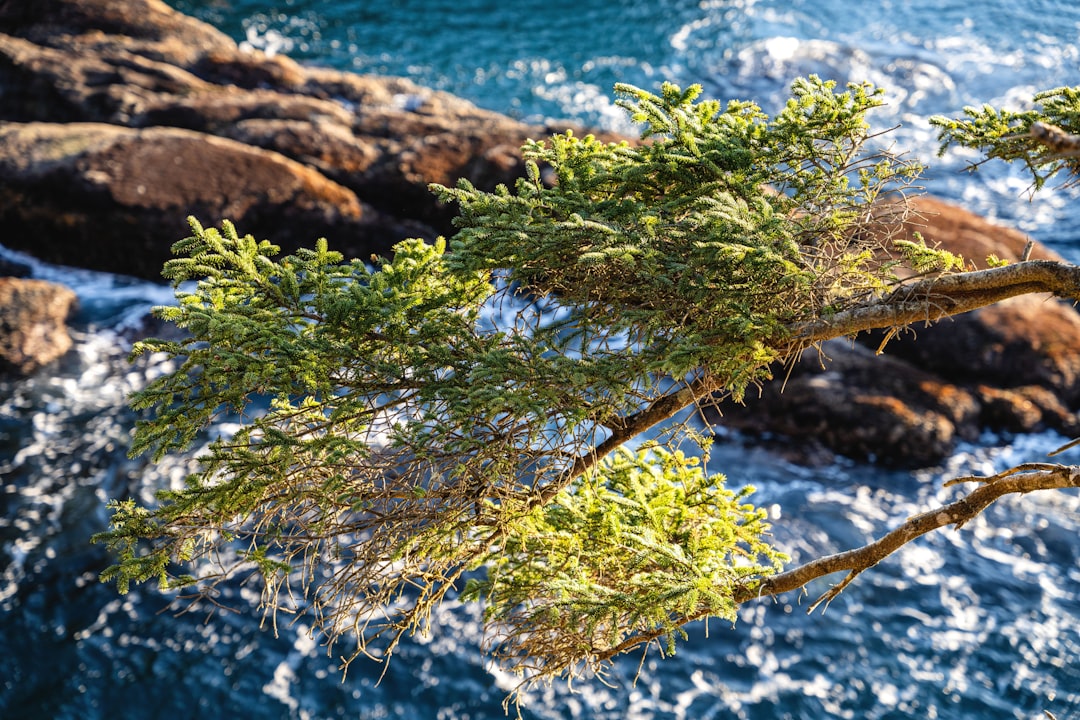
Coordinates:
(282, 33)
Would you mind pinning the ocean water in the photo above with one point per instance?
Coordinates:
(978, 623)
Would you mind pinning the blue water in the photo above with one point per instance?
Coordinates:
(980, 623)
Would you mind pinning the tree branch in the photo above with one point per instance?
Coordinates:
(925, 300)
(935, 298)
(1061, 143)
(1020, 479)
(630, 427)
(922, 301)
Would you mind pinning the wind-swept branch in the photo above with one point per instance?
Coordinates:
(1021, 479)
(925, 301)
(936, 298)
(416, 431)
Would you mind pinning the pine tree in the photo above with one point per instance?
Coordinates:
(506, 416)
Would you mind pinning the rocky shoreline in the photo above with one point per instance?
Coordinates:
(118, 118)
(121, 117)
(1013, 367)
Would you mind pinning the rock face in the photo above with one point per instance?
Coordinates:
(120, 117)
(32, 324)
(1014, 366)
(117, 195)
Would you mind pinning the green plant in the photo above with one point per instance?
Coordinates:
(502, 415)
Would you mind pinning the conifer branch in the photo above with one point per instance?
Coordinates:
(417, 432)
(1022, 479)
(932, 299)
(925, 301)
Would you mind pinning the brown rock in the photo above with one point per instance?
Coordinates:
(1028, 408)
(97, 60)
(137, 63)
(54, 22)
(113, 198)
(32, 329)
(1027, 340)
(871, 408)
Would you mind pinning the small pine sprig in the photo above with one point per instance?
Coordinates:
(1041, 138)
(923, 259)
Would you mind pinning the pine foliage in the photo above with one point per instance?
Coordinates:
(638, 545)
(1038, 137)
(458, 410)
(703, 243)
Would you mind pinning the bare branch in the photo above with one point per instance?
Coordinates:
(1021, 479)
(935, 298)
(1062, 144)
(1066, 446)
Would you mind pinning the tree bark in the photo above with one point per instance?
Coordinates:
(935, 298)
